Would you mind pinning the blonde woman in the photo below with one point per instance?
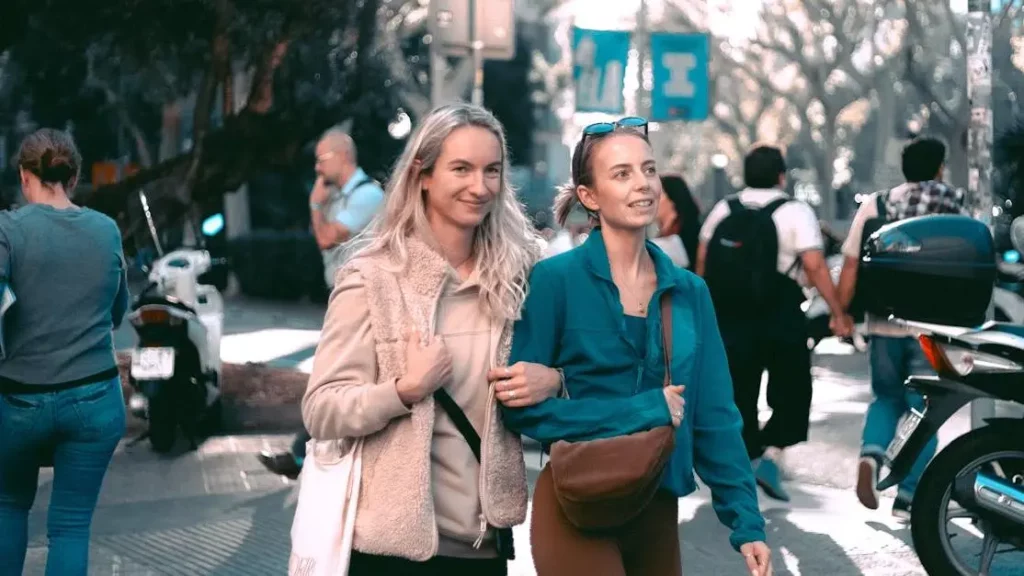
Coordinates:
(427, 302)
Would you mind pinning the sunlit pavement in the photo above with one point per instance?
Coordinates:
(217, 511)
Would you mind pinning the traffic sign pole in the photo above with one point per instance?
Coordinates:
(979, 139)
(473, 31)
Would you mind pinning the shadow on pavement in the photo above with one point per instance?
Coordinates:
(706, 548)
(267, 544)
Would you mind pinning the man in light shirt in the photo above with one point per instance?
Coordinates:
(344, 201)
(344, 198)
(894, 353)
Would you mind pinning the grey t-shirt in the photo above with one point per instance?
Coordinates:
(66, 269)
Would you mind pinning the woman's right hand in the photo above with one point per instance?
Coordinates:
(427, 367)
(674, 399)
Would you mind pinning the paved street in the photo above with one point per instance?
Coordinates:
(216, 511)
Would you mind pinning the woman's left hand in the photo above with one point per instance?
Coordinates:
(758, 557)
(524, 384)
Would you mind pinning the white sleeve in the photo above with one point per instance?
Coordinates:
(715, 217)
(806, 230)
(854, 239)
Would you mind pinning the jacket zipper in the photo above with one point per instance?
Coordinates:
(481, 481)
(431, 329)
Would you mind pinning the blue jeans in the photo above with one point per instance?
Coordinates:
(893, 360)
(80, 428)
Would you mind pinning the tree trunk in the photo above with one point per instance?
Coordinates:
(884, 133)
(205, 98)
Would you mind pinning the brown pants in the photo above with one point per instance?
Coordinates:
(647, 546)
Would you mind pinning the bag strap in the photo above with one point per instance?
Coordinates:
(504, 539)
(880, 207)
(666, 335)
(774, 205)
(735, 205)
(459, 419)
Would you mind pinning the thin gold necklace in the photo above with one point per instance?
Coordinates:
(641, 306)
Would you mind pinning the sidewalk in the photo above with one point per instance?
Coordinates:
(217, 511)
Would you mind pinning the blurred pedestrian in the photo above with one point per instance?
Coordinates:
(343, 202)
(571, 234)
(60, 392)
(677, 227)
(593, 312)
(894, 352)
(422, 310)
(758, 248)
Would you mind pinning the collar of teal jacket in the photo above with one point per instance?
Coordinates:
(596, 257)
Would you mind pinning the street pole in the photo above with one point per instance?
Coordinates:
(642, 48)
(979, 137)
(477, 47)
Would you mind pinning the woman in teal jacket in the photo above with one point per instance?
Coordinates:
(592, 312)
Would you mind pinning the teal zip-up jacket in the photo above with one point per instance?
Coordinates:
(573, 320)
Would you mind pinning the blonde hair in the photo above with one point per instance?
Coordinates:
(505, 244)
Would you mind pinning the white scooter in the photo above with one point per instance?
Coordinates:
(176, 366)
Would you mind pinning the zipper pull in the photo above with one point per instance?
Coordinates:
(483, 532)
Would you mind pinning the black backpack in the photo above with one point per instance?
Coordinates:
(871, 225)
(741, 266)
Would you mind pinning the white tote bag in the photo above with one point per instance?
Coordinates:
(325, 516)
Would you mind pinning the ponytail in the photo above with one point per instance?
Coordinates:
(565, 201)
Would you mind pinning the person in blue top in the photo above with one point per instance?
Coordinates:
(589, 313)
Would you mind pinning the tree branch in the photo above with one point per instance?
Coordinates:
(366, 26)
(261, 94)
(93, 81)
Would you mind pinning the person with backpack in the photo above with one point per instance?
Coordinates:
(757, 249)
(344, 201)
(894, 353)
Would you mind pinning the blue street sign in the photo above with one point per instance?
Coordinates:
(599, 68)
(680, 66)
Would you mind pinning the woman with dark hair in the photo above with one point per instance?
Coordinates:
(678, 223)
(60, 392)
(595, 313)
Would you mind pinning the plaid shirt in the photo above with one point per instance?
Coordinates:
(923, 198)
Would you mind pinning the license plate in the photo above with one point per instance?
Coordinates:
(152, 363)
(906, 429)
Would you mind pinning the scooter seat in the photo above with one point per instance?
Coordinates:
(163, 301)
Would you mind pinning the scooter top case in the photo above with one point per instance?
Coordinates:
(938, 269)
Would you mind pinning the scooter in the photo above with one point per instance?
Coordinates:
(176, 367)
(972, 492)
(975, 485)
(1008, 295)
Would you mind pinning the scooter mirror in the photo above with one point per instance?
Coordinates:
(213, 225)
(1017, 233)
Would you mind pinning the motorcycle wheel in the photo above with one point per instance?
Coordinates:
(163, 424)
(929, 518)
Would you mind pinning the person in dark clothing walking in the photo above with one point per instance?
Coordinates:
(757, 249)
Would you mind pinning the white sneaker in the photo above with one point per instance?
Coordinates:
(867, 482)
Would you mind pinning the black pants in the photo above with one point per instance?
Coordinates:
(369, 565)
(788, 363)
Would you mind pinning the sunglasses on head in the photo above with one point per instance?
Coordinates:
(628, 124)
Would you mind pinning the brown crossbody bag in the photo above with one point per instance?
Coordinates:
(602, 484)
